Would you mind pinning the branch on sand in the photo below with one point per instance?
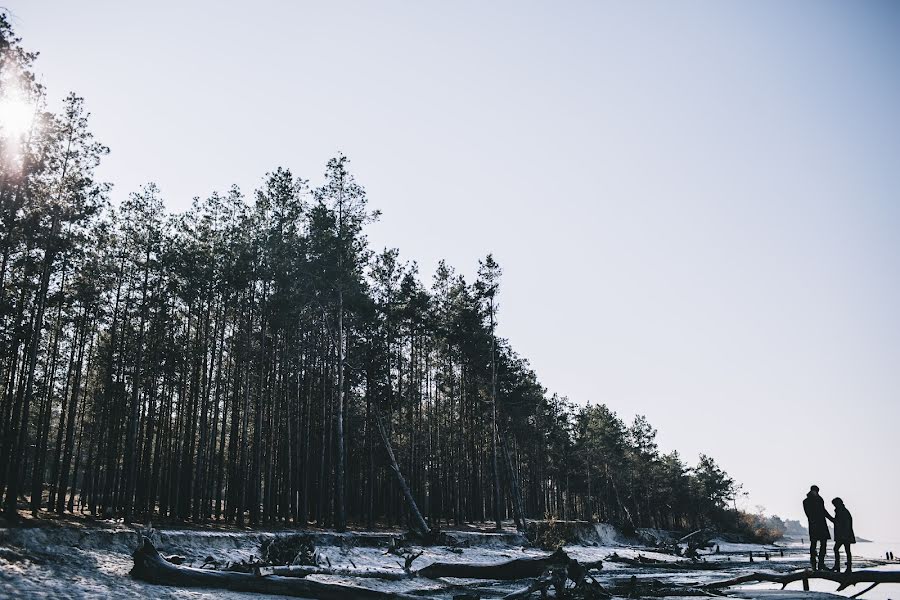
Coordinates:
(844, 580)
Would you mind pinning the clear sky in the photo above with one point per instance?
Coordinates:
(695, 204)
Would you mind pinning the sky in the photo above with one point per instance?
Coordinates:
(695, 204)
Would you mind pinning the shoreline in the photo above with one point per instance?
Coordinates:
(84, 559)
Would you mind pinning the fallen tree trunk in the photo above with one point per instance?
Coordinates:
(289, 580)
(518, 568)
(418, 523)
(674, 565)
(844, 580)
(689, 536)
(306, 570)
(149, 566)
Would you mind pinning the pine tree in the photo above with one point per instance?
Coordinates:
(252, 358)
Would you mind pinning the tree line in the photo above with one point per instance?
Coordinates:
(253, 360)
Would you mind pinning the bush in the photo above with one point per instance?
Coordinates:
(289, 550)
(550, 534)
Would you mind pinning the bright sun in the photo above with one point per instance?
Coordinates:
(16, 116)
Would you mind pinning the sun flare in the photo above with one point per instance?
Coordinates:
(16, 116)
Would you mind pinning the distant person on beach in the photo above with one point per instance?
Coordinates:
(814, 507)
(843, 534)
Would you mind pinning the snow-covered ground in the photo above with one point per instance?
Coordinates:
(78, 560)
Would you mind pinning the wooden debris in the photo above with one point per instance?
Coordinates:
(151, 567)
(665, 564)
(844, 580)
(306, 570)
(519, 568)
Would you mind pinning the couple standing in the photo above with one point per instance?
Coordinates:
(814, 507)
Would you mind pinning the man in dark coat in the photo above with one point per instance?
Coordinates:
(814, 507)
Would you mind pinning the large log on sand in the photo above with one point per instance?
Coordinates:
(151, 567)
(306, 570)
(677, 565)
(519, 568)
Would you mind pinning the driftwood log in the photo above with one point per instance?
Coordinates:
(679, 565)
(518, 568)
(306, 570)
(844, 580)
(149, 566)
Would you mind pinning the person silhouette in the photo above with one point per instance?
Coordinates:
(814, 507)
(843, 534)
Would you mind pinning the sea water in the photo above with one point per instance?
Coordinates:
(874, 550)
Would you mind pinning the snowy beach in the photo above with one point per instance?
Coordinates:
(93, 561)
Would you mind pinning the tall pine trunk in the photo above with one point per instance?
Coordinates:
(15, 470)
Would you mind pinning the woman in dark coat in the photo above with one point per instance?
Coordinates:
(843, 534)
